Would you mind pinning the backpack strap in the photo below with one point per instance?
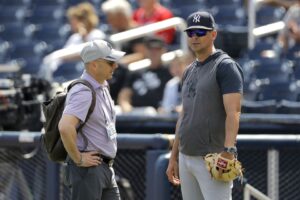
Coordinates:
(92, 106)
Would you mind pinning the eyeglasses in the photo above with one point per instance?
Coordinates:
(111, 63)
(197, 32)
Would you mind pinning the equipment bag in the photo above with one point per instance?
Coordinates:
(53, 110)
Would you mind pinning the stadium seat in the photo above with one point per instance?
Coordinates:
(293, 53)
(51, 32)
(46, 14)
(30, 65)
(260, 47)
(212, 3)
(269, 14)
(16, 31)
(279, 91)
(48, 2)
(268, 106)
(288, 107)
(229, 15)
(12, 13)
(15, 2)
(68, 71)
(185, 10)
(25, 49)
(275, 70)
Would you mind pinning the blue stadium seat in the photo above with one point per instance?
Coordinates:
(15, 2)
(51, 32)
(30, 65)
(16, 31)
(275, 70)
(185, 10)
(68, 71)
(279, 91)
(288, 107)
(4, 51)
(48, 2)
(46, 14)
(229, 15)
(267, 106)
(213, 3)
(12, 13)
(269, 14)
(260, 47)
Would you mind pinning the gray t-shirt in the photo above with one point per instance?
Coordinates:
(202, 129)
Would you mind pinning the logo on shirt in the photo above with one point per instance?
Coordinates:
(196, 18)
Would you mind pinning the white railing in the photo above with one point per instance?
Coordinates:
(257, 32)
(152, 28)
(118, 38)
(251, 191)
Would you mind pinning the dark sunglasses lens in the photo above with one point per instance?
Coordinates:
(111, 63)
(198, 33)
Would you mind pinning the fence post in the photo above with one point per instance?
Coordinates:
(151, 159)
(273, 174)
(52, 179)
(162, 185)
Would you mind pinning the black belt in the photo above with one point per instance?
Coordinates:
(107, 160)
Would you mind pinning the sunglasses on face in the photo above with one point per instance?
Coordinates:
(111, 63)
(197, 32)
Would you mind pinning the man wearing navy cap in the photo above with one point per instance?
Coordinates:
(212, 89)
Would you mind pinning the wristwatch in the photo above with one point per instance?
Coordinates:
(232, 150)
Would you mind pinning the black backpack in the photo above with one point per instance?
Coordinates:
(53, 110)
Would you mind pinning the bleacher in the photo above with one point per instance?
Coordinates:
(31, 29)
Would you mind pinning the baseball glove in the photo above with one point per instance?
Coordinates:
(223, 169)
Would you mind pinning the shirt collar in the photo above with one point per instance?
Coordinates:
(92, 81)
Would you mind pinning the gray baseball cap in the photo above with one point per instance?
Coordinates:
(100, 49)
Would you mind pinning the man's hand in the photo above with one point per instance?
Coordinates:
(173, 172)
(90, 159)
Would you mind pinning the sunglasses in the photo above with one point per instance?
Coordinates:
(197, 32)
(111, 63)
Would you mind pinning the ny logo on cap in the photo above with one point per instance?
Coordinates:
(196, 18)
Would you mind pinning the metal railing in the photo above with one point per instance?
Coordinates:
(124, 36)
(257, 32)
(252, 191)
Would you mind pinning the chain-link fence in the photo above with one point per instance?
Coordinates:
(27, 174)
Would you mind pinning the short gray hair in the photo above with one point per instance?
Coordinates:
(115, 6)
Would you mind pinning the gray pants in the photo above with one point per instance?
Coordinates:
(92, 183)
(196, 182)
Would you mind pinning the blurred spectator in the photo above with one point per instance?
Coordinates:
(117, 81)
(151, 11)
(290, 35)
(144, 88)
(171, 102)
(119, 18)
(84, 22)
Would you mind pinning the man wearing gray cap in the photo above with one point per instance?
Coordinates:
(91, 154)
(212, 88)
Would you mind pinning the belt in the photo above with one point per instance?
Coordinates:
(107, 160)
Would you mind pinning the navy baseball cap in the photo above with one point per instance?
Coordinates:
(200, 20)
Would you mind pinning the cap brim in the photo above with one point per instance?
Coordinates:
(115, 55)
(199, 27)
